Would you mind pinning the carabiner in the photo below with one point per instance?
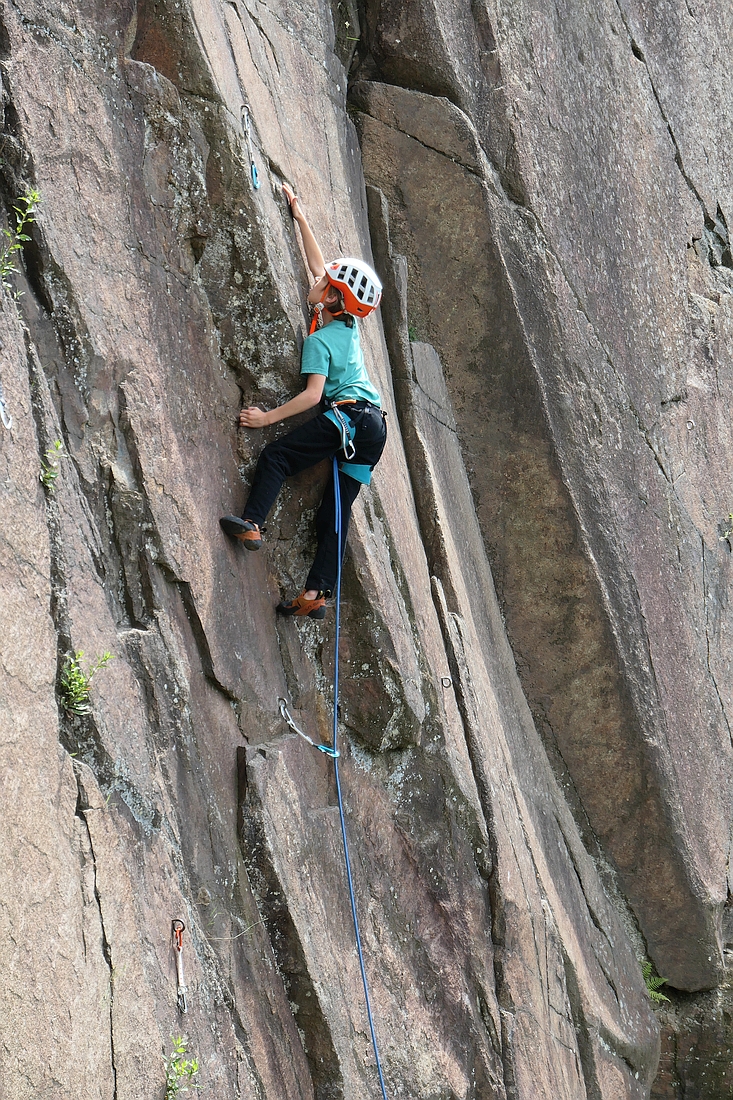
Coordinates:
(246, 130)
(4, 414)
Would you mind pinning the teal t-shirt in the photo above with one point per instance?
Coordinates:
(335, 351)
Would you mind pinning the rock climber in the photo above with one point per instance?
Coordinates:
(350, 423)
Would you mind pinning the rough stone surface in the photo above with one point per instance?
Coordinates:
(541, 374)
(594, 435)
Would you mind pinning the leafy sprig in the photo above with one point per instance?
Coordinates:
(180, 1071)
(75, 681)
(14, 237)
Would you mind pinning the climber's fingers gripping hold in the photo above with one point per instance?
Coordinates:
(252, 418)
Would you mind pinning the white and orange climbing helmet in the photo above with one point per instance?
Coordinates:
(359, 285)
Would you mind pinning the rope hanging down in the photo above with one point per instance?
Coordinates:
(334, 753)
(339, 555)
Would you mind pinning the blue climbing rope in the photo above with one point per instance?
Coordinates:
(337, 498)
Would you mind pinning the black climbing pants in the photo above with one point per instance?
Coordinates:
(302, 448)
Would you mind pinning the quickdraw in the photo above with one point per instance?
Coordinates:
(247, 132)
(4, 414)
(178, 929)
(287, 717)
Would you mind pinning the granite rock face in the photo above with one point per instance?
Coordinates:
(570, 326)
(541, 372)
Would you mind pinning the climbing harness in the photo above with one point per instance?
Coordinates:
(334, 753)
(178, 929)
(345, 426)
(247, 131)
(359, 471)
(4, 414)
(287, 717)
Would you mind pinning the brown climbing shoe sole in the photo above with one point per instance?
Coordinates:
(242, 529)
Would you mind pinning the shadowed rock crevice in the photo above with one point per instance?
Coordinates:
(461, 685)
(422, 399)
(87, 846)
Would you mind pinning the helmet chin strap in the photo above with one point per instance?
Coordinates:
(317, 321)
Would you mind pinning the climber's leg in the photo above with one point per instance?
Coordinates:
(298, 450)
(323, 572)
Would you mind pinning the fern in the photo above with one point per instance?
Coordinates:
(653, 983)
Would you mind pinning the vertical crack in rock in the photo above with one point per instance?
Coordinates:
(706, 595)
(258, 24)
(82, 809)
(585, 1046)
(639, 55)
(460, 674)
(396, 332)
(198, 632)
(79, 734)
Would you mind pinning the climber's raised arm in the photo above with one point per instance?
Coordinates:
(313, 253)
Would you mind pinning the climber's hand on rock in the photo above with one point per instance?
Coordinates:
(292, 199)
(252, 418)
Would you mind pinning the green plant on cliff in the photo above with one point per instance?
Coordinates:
(49, 465)
(653, 982)
(180, 1071)
(15, 237)
(727, 526)
(75, 681)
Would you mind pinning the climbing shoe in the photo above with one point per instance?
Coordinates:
(314, 609)
(242, 529)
